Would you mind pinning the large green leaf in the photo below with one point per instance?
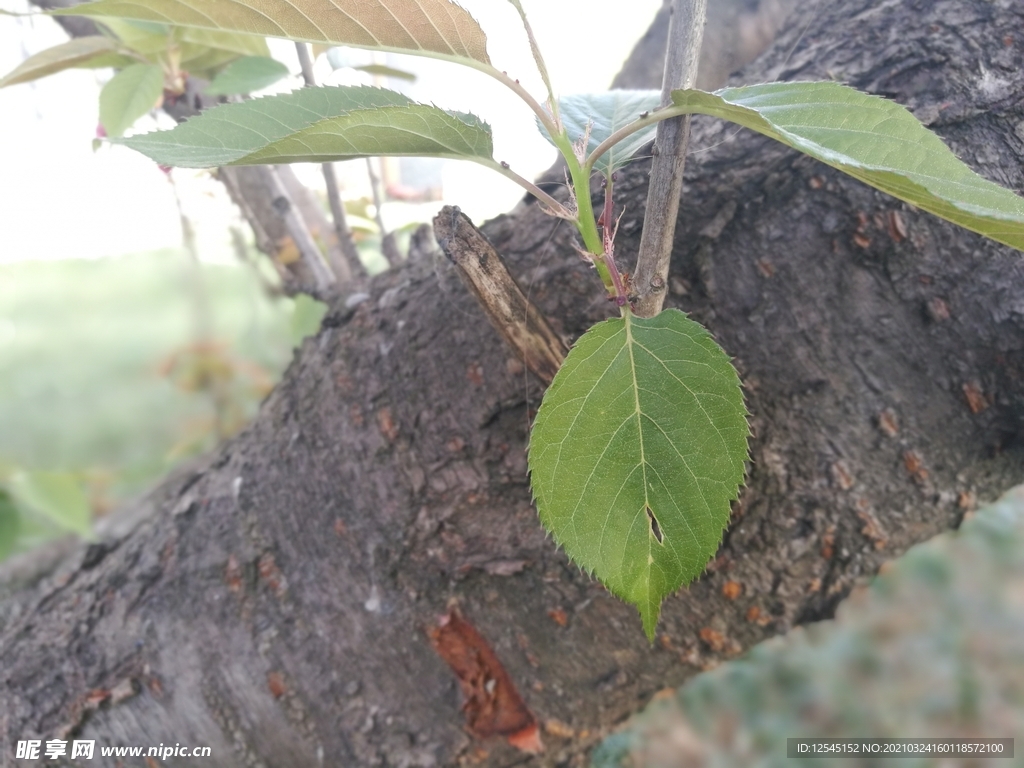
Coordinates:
(636, 453)
(605, 113)
(874, 140)
(74, 53)
(129, 95)
(57, 496)
(317, 125)
(247, 74)
(437, 28)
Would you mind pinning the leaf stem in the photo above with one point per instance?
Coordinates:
(629, 129)
(539, 59)
(556, 207)
(586, 223)
(542, 114)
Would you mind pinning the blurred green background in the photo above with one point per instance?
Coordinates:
(114, 369)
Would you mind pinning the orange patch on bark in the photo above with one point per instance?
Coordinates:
(493, 706)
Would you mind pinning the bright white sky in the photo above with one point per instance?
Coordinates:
(60, 200)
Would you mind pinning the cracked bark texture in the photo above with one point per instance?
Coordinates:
(269, 601)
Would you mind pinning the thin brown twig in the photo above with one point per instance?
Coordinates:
(686, 30)
(345, 240)
(347, 244)
(387, 239)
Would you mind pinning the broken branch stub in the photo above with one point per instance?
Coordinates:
(519, 322)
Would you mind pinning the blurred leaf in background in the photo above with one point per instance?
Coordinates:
(10, 524)
(85, 52)
(306, 317)
(37, 506)
(57, 496)
(247, 74)
(128, 95)
(99, 375)
(152, 60)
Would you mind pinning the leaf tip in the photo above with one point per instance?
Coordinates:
(650, 613)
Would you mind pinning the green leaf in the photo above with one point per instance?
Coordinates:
(57, 496)
(241, 44)
(202, 61)
(10, 525)
(317, 125)
(247, 74)
(874, 140)
(74, 53)
(306, 317)
(636, 453)
(112, 60)
(437, 28)
(142, 37)
(129, 95)
(606, 113)
(385, 71)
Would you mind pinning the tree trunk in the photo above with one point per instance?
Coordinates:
(271, 602)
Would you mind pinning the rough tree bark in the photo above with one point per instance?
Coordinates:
(271, 602)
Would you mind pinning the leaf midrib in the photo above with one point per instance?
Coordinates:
(640, 434)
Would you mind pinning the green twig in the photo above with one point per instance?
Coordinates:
(586, 223)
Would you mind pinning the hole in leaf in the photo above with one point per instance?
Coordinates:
(655, 528)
